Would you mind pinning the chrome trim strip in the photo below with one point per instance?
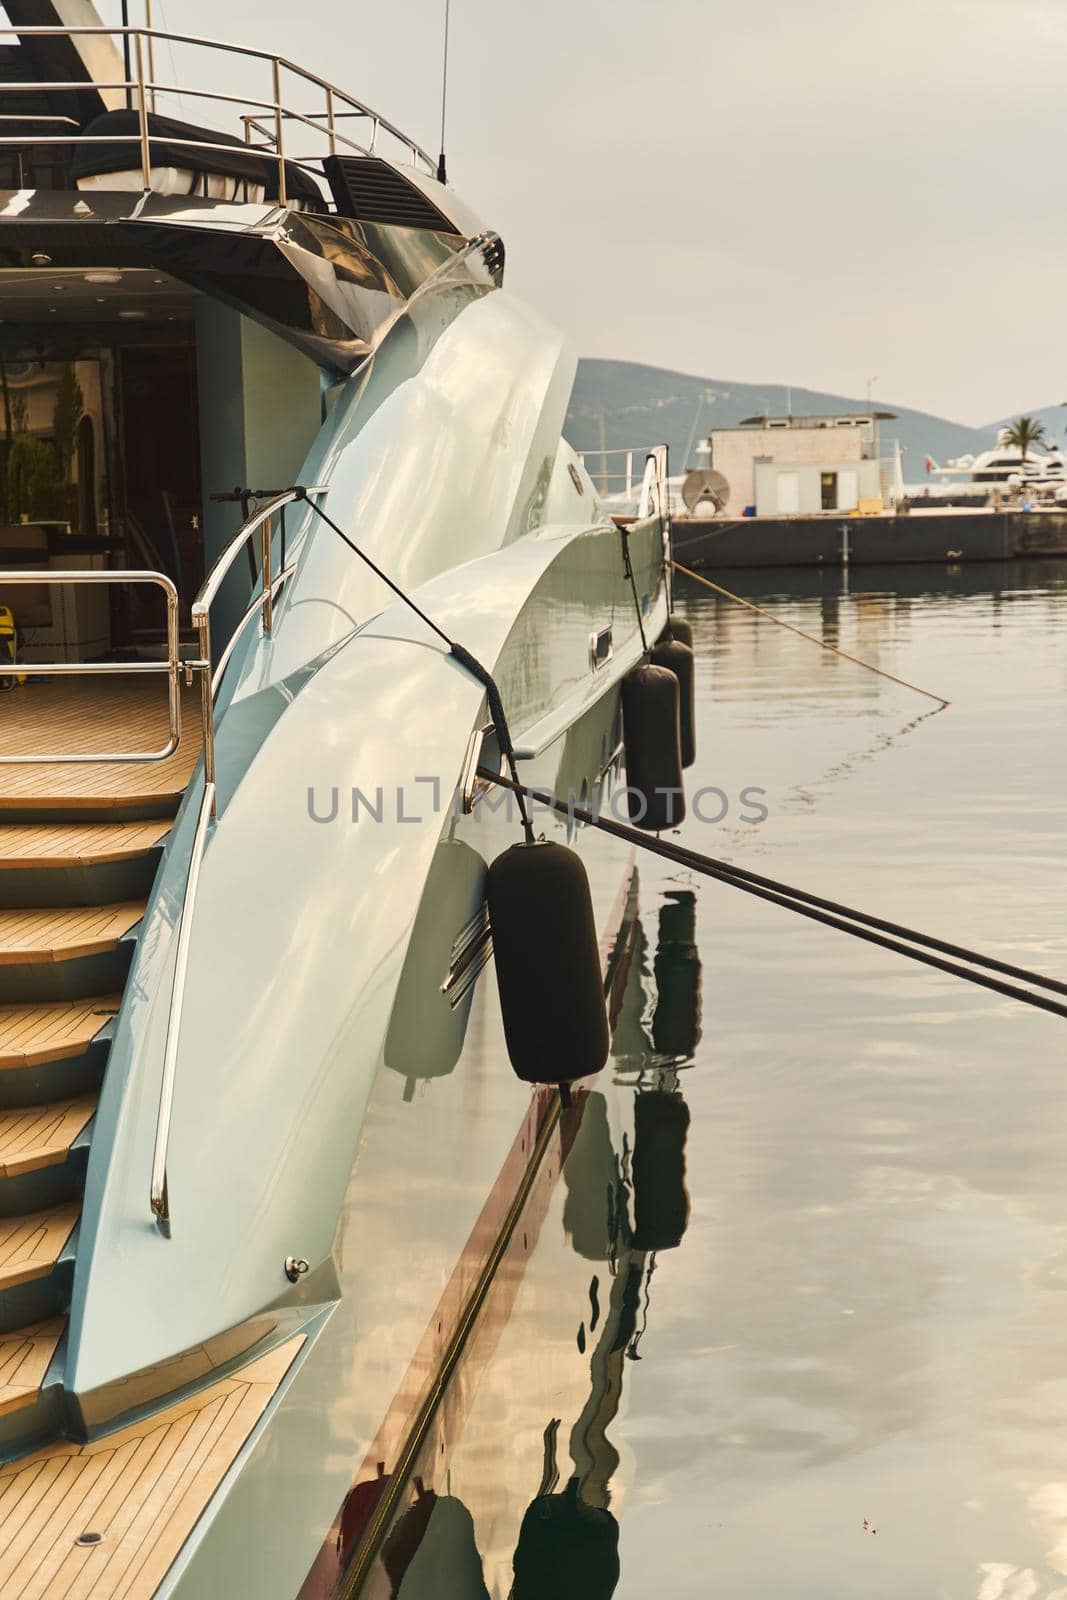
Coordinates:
(470, 931)
(464, 981)
(471, 949)
(616, 755)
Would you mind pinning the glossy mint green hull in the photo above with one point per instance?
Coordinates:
(296, 1131)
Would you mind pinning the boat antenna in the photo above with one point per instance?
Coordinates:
(442, 174)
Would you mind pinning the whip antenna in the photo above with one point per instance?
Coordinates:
(442, 175)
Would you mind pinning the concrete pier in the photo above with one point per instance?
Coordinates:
(916, 536)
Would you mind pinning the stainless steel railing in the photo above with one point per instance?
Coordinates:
(262, 523)
(171, 666)
(159, 1193)
(636, 477)
(266, 113)
(260, 528)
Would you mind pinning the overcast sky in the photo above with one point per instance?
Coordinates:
(813, 192)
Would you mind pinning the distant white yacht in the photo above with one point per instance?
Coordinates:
(974, 477)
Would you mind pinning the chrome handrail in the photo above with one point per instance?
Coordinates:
(35, 577)
(159, 1195)
(259, 522)
(142, 90)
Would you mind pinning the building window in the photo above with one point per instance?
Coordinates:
(828, 483)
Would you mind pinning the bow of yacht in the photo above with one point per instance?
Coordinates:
(259, 1138)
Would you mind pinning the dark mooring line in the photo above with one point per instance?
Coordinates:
(891, 935)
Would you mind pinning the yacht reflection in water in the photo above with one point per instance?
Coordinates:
(463, 1534)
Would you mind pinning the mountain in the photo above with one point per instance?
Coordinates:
(646, 405)
(1054, 418)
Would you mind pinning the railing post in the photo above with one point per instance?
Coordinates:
(151, 50)
(330, 122)
(207, 702)
(142, 114)
(279, 132)
(174, 669)
(265, 534)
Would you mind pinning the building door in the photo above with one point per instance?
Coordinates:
(828, 481)
(788, 494)
(848, 489)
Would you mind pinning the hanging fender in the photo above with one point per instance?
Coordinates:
(651, 732)
(547, 963)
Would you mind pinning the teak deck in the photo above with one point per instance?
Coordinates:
(31, 1246)
(63, 933)
(139, 1492)
(32, 1137)
(51, 1030)
(84, 844)
(24, 1358)
(75, 716)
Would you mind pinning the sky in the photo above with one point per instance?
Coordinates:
(809, 192)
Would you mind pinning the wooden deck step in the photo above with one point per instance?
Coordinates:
(74, 716)
(31, 1246)
(72, 845)
(32, 1137)
(141, 1490)
(52, 1031)
(25, 1354)
(62, 934)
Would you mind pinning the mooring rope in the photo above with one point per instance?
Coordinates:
(833, 648)
(890, 935)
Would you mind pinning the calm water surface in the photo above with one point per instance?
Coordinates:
(863, 1324)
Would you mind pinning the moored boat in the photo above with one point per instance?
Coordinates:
(259, 1140)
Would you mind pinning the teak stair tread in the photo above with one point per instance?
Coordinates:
(32, 1137)
(72, 716)
(86, 844)
(59, 933)
(24, 1357)
(31, 1246)
(52, 1030)
(142, 1489)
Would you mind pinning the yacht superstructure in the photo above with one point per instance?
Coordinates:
(258, 1135)
(1006, 470)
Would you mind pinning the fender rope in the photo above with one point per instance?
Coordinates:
(628, 570)
(462, 655)
(892, 935)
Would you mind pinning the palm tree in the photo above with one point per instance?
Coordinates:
(1025, 432)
